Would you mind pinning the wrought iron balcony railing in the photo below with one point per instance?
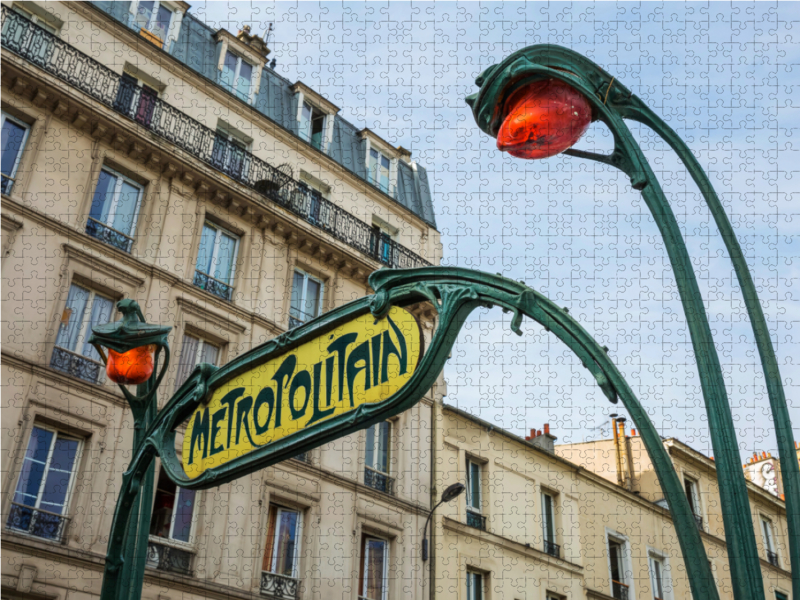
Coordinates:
(168, 558)
(279, 586)
(76, 365)
(106, 234)
(34, 521)
(119, 93)
(304, 457)
(619, 590)
(476, 520)
(552, 549)
(772, 558)
(213, 286)
(378, 481)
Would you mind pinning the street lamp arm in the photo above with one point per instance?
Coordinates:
(790, 469)
(425, 532)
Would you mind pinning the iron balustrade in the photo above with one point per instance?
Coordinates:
(304, 457)
(378, 481)
(169, 558)
(619, 590)
(109, 235)
(142, 106)
(33, 521)
(7, 183)
(279, 586)
(213, 286)
(75, 364)
(476, 520)
(772, 558)
(552, 549)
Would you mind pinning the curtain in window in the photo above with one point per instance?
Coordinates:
(103, 197)
(223, 269)
(187, 360)
(376, 557)
(76, 305)
(285, 543)
(184, 510)
(311, 307)
(161, 24)
(54, 494)
(126, 208)
(33, 466)
(102, 309)
(209, 354)
(206, 251)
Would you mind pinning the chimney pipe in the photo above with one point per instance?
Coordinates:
(547, 428)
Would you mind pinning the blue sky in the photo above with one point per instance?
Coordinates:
(724, 75)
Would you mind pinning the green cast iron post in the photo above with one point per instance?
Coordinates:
(611, 102)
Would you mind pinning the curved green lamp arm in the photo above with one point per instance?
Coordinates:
(636, 110)
(546, 61)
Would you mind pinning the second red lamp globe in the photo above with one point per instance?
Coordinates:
(543, 119)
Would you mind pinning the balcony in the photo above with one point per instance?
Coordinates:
(213, 286)
(552, 549)
(79, 70)
(378, 481)
(279, 586)
(476, 520)
(619, 590)
(772, 558)
(75, 365)
(40, 523)
(169, 558)
(110, 236)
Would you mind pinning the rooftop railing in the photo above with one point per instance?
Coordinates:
(121, 94)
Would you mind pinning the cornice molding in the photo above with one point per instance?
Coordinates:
(210, 316)
(98, 264)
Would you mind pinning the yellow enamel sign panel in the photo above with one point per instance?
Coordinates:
(361, 362)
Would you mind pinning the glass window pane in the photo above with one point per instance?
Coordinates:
(383, 447)
(285, 540)
(13, 136)
(102, 309)
(475, 485)
(161, 519)
(370, 449)
(143, 13)
(208, 354)
(75, 308)
(64, 453)
(228, 71)
(161, 25)
(223, 269)
(297, 296)
(243, 83)
(187, 361)
(103, 197)
(54, 494)
(183, 515)
(206, 250)
(311, 307)
(30, 478)
(373, 574)
(125, 213)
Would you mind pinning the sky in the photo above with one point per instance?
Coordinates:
(725, 76)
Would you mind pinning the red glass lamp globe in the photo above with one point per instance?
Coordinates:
(132, 367)
(543, 119)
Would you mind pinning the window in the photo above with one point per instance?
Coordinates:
(376, 474)
(237, 76)
(193, 352)
(73, 355)
(14, 136)
(136, 99)
(474, 586)
(379, 170)
(312, 125)
(769, 542)
(216, 260)
(115, 207)
(153, 20)
(616, 555)
(281, 555)
(690, 485)
(474, 517)
(374, 568)
(45, 484)
(657, 577)
(381, 244)
(171, 521)
(306, 303)
(229, 154)
(548, 525)
(781, 596)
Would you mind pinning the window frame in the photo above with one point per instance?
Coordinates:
(202, 342)
(307, 125)
(153, 16)
(48, 463)
(169, 540)
(236, 72)
(624, 562)
(115, 202)
(658, 567)
(469, 499)
(365, 563)
(691, 487)
(4, 116)
(476, 585)
(303, 297)
(549, 536)
(272, 547)
(235, 255)
(373, 179)
(376, 448)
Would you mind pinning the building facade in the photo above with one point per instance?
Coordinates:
(147, 156)
(542, 521)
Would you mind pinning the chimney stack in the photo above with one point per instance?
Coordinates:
(544, 440)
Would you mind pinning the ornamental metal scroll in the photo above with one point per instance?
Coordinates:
(455, 293)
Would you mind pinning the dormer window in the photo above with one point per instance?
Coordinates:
(379, 170)
(154, 19)
(315, 116)
(312, 125)
(237, 76)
